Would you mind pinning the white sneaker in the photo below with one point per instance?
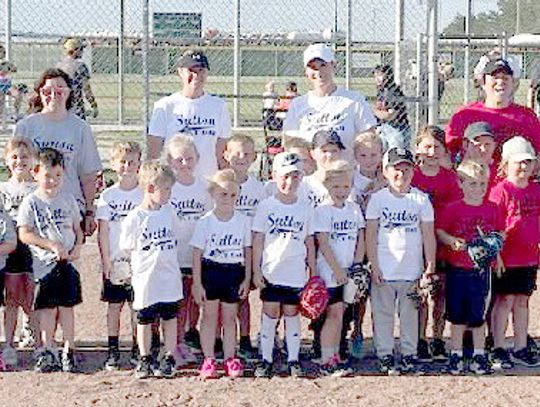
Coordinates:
(9, 356)
(27, 338)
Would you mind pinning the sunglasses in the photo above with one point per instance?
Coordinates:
(48, 91)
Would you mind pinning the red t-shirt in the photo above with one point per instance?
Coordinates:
(442, 188)
(514, 120)
(522, 222)
(460, 220)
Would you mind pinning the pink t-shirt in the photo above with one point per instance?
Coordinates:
(514, 120)
(522, 223)
(461, 220)
(442, 188)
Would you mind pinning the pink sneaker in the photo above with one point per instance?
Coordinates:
(208, 369)
(233, 368)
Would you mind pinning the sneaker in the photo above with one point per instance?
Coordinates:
(423, 353)
(68, 362)
(208, 369)
(455, 364)
(113, 360)
(245, 349)
(167, 367)
(9, 356)
(233, 368)
(480, 365)
(387, 365)
(438, 350)
(264, 369)
(145, 368)
(357, 345)
(532, 345)
(134, 356)
(27, 339)
(408, 364)
(294, 368)
(525, 357)
(330, 367)
(184, 355)
(46, 362)
(193, 339)
(500, 359)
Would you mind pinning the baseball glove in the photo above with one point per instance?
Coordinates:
(361, 275)
(314, 298)
(484, 249)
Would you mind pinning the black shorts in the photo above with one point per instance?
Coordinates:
(115, 293)
(19, 261)
(160, 310)
(222, 281)
(335, 295)
(468, 296)
(517, 280)
(282, 294)
(60, 288)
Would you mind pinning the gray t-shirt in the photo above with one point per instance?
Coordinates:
(7, 234)
(52, 219)
(73, 138)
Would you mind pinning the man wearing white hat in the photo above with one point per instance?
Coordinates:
(327, 106)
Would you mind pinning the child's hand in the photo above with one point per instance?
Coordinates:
(89, 225)
(341, 276)
(499, 267)
(376, 276)
(243, 292)
(107, 268)
(59, 250)
(199, 295)
(75, 253)
(258, 280)
(458, 244)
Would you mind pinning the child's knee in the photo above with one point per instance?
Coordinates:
(521, 302)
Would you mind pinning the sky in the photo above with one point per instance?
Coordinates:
(372, 20)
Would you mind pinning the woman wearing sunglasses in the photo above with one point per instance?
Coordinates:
(52, 125)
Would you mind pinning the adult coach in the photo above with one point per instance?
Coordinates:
(327, 106)
(79, 74)
(192, 111)
(506, 118)
(55, 127)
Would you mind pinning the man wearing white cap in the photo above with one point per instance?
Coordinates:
(327, 106)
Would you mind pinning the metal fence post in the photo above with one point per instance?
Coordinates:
(145, 74)
(467, 65)
(398, 21)
(433, 112)
(237, 62)
(7, 40)
(348, 38)
(121, 65)
(419, 81)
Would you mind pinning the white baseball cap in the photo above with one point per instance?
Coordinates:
(518, 149)
(285, 163)
(318, 51)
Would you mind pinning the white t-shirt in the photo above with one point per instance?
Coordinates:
(151, 236)
(222, 241)
(51, 219)
(190, 203)
(285, 228)
(12, 194)
(344, 111)
(252, 192)
(303, 191)
(7, 234)
(206, 118)
(113, 206)
(317, 193)
(399, 239)
(342, 225)
(71, 136)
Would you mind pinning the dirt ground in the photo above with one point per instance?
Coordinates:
(94, 387)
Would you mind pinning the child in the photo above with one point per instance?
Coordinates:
(282, 247)
(442, 188)
(339, 233)
(240, 154)
(191, 200)
(302, 147)
(467, 288)
(520, 200)
(221, 271)
(400, 239)
(150, 234)
(49, 222)
(479, 145)
(113, 206)
(18, 155)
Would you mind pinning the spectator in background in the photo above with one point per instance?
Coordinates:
(291, 91)
(194, 112)
(327, 106)
(79, 74)
(506, 118)
(390, 109)
(533, 92)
